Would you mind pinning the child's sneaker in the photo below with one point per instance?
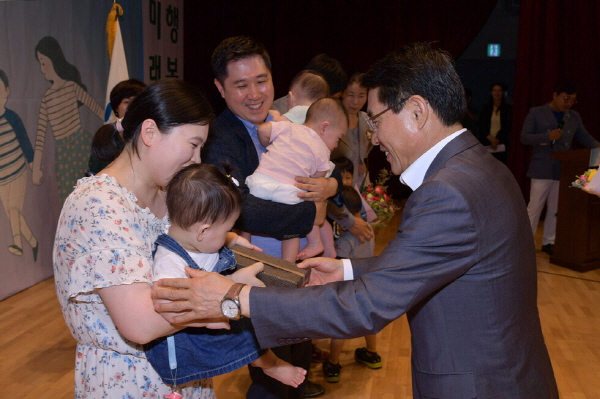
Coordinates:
(331, 371)
(370, 359)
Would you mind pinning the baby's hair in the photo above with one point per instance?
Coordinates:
(344, 164)
(313, 85)
(4, 78)
(327, 109)
(201, 193)
(351, 199)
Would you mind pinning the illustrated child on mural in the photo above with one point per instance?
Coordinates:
(16, 154)
(60, 108)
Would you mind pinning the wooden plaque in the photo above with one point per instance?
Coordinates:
(277, 272)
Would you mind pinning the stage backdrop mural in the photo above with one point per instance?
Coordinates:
(54, 80)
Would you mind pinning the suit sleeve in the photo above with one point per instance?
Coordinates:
(272, 219)
(437, 243)
(529, 135)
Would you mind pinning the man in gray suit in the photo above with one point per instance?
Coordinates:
(465, 277)
(548, 128)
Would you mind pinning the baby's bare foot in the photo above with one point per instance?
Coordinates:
(310, 250)
(286, 373)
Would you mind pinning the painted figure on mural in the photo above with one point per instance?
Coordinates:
(16, 153)
(60, 108)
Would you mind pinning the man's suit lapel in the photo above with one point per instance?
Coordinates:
(459, 144)
(236, 126)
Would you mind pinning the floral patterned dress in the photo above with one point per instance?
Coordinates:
(104, 239)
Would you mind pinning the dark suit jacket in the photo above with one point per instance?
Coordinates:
(229, 142)
(465, 277)
(538, 123)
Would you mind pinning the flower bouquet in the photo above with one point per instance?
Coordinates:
(378, 200)
(587, 183)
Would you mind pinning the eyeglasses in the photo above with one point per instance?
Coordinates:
(570, 98)
(371, 120)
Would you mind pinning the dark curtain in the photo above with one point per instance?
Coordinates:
(557, 40)
(357, 33)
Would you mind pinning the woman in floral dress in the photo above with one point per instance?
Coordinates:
(104, 242)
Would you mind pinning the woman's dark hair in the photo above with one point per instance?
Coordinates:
(503, 87)
(169, 103)
(234, 49)
(356, 78)
(106, 144)
(201, 193)
(125, 89)
(49, 47)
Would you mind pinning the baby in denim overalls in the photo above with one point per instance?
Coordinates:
(203, 205)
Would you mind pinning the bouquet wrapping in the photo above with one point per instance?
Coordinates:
(587, 183)
(376, 196)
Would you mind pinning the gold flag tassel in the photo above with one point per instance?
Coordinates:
(111, 27)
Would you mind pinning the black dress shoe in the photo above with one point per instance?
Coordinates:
(313, 390)
(548, 248)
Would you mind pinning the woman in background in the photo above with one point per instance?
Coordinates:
(355, 145)
(494, 124)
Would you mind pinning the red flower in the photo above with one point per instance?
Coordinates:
(379, 190)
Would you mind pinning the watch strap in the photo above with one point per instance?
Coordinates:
(234, 291)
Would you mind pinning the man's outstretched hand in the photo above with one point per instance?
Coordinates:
(324, 270)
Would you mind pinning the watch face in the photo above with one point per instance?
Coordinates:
(229, 308)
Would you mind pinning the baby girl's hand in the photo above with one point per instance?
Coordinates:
(247, 275)
(242, 242)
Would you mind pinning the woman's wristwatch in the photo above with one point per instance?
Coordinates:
(230, 304)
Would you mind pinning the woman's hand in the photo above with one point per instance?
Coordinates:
(318, 189)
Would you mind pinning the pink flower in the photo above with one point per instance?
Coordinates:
(379, 190)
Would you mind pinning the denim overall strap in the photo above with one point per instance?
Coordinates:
(226, 260)
(169, 243)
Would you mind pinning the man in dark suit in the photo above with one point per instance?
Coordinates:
(548, 128)
(242, 69)
(465, 277)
